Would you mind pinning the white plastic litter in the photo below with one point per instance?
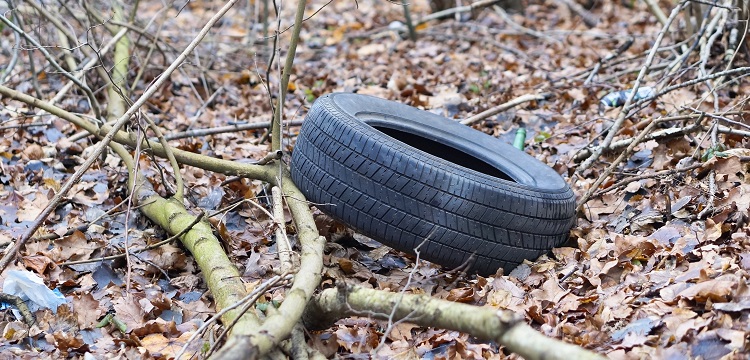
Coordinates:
(618, 98)
(30, 287)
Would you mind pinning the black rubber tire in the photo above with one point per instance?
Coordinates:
(401, 175)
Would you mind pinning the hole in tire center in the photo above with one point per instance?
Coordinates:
(444, 152)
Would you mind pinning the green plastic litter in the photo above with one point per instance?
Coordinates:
(520, 139)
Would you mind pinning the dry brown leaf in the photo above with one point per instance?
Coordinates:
(129, 311)
(716, 290)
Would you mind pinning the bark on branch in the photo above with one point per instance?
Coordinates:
(483, 322)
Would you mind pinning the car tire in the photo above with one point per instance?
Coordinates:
(414, 180)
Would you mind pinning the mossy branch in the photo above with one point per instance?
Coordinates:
(483, 322)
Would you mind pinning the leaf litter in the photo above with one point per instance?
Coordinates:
(642, 276)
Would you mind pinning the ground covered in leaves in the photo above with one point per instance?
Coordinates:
(656, 266)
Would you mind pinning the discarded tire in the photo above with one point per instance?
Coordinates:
(411, 179)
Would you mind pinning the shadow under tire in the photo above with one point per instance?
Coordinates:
(412, 179)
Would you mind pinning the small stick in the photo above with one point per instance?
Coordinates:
(588, 18)
(728, 130)
(16, 301)
(227, 129)
(657, 11)
(207, 103)
(621, 49)
(500, 11)
(283, 245)
(409, 23)
(503, 107)
(711, 176)
(723, 118)
(13, 59)
(628, 180)
(271, 156)
(138, 251)
(23, 126)
(460, 9)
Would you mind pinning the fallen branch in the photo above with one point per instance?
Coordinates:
(249, 299)
(226, 129)
(483, 322)
(299, 16)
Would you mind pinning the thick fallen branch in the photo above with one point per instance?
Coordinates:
(227, 286)
(483, 322)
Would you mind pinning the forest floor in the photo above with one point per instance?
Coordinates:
(657, 263)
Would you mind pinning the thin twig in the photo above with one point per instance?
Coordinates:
(207, 103)
(503, 107)
(227, 129)
(392, 315)
(88, 65)
(92, 99)
(620, 49)
(67, 39)
(588, 18)
(23, 126)
(452, 11)
(512, 24)
(630, 179)
(170, 239)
